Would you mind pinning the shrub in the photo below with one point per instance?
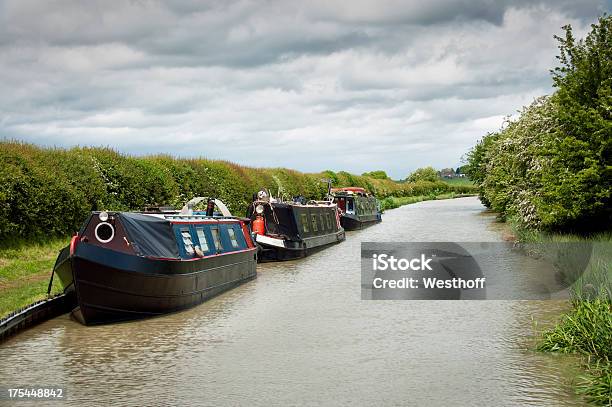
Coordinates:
(423, 174)
(551, 167)
(49, 192)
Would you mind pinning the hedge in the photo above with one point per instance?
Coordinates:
(551, 168)
(50, 191)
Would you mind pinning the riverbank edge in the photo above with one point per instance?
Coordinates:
(585, 329)
(25, 268)
(393, 202)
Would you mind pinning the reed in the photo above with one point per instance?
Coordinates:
(587, 328)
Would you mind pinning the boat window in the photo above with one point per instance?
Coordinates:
(236, 236)
(322, 219)
(232, 236)
(314, 223)
(216, 238)
(239, 235)
(187, 241)
(304, 218)
(202, 238)
(329, 221)
(349, 205)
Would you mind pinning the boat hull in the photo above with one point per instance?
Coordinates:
(350, 222)
(111, 286)
(272, 249)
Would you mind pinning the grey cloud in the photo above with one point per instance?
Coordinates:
(403, 84)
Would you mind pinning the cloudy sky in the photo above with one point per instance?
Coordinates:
(311, 85)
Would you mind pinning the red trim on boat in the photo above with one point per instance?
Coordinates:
(347, 189)
(247, 236)
(204, 222)
(73, 243)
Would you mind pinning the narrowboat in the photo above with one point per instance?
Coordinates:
(130, 265)
(292, 229)
(358, 208)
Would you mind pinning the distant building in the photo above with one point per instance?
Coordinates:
(447, 173)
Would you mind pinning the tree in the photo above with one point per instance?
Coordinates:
(461, 170)
(380, 174)
(423, 174)
(551, 168)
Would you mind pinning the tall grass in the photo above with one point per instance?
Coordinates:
(587, 328)
(25, 269)
(459, 181)
(585, 262)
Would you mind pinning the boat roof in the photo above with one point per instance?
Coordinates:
(195, 217)
(317, 204)
(149, 235)
(173, 216)
(349, 189)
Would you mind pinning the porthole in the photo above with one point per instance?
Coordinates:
(105, 232)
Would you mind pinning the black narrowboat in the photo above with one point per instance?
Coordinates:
(358, 208)
(129, 265)
(293, 229)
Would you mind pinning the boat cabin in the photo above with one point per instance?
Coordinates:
(166, 235)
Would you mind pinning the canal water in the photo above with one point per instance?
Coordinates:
(300, 335)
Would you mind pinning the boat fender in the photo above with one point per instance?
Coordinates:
(73, 243)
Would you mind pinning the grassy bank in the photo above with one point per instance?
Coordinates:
(587, 328)
(25, 269)
(459, 181)
(395, 202)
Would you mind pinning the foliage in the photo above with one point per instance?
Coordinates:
(49, 192)
(392, 202)
(25, 268)
(550, 168)
(459, 181)
(424, 174)
(380, 174)
(461, 170)
(587, 329)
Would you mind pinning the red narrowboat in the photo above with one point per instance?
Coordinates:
(358, 208)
